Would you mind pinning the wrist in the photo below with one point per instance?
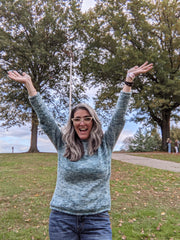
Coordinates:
(129, 84)
(31, 89)
(126, 88)
(32, 92)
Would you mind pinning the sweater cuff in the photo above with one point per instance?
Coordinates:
(126, 93)
(35, 96)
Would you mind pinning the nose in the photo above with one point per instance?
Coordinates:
(81, 121)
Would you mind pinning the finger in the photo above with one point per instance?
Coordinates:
(144, 64)
(17, 74)
(145, 67)
(149, 66)
(11, 74)
(14, 74)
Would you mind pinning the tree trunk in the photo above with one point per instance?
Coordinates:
(165, 128)
(34, 131)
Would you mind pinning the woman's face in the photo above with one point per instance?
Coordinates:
(83, 123)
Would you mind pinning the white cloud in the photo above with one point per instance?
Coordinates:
(45, 145)
(19, 138)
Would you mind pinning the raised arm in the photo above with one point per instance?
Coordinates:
(47, 122)
(118, 119)
(24, 79)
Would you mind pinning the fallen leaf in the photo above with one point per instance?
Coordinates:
(120, 223)
(27, 220)
(132, 220)
(36, 195)
(159, 227)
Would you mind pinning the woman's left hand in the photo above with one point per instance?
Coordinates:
(144, 68)
(134, 72)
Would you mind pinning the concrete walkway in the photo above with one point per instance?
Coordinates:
(149, 162)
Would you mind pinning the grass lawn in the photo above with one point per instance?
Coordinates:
(145, 201)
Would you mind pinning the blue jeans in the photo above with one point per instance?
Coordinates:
(64, 226)
(169, 147)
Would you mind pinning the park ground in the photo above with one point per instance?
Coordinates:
(164, 161)
(145, 200)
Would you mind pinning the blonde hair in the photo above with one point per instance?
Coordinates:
(74, 149)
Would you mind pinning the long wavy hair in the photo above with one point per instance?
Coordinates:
(74, 149)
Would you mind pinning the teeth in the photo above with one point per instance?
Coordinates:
(83, 129)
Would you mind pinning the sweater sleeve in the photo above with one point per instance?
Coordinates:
(118, 120)
(46, 120)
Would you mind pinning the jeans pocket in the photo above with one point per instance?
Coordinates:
(102, 215)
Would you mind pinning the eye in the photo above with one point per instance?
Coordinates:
(87, 119)
(77, 120)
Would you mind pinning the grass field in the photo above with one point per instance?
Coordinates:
(145, 201)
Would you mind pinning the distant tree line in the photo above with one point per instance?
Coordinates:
(148, 140)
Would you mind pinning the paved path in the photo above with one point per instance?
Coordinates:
(149, 162)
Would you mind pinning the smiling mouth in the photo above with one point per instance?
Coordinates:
(83, 129)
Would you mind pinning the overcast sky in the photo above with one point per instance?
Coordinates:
(19, 138)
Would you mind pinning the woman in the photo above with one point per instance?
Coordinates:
(81, 199)
(176, 146)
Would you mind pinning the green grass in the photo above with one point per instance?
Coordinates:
(159, 155)
(145, 201)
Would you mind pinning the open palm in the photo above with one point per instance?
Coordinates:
(24, 78)
(144, 68)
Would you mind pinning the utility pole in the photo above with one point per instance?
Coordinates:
(70, 81)
(69, 53)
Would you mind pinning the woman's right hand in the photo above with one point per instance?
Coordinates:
(24, 78)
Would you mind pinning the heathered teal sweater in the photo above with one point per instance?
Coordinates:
(83, 187)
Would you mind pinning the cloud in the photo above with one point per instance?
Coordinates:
(45, 145)
(15, 132)
(19, 138)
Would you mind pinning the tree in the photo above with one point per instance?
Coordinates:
(122, 34)
(144, 141)
(36, 37)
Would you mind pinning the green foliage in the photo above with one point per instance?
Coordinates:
(175, 133)
(35, 38)
(145, 141)
(122, 34)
